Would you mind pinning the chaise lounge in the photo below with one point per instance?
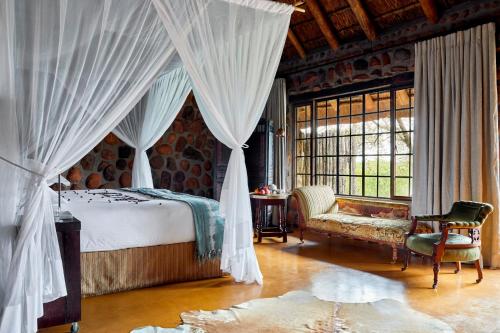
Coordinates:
(374, 221)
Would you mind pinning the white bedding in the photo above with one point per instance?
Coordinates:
(111, 224)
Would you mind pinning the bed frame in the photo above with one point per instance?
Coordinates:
(106, 272)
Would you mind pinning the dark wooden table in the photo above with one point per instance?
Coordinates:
(263, 201)
(66, 309)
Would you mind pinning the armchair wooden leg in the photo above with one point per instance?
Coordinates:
(406, 261)
(436, 273)
(301, 235)
(458, 266)
(479, 266)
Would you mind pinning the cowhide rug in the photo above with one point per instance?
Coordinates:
(301, 311)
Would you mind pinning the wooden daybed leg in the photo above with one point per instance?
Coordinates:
(458, 266)
(436, 273)
(394, 254)
(479, 266)
(301, 234)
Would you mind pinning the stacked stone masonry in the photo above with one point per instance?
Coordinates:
(181, 160)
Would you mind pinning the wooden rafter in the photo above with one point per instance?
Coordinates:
(296, 43)
(430, 10)
(323, 23)
(363, 19)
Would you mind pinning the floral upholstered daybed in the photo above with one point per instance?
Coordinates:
(369, 220)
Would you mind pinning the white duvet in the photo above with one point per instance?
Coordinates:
(111, 221)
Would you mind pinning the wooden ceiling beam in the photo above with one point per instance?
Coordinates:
(430, 10)
(296, 43)
(323, 23)
(363, 19)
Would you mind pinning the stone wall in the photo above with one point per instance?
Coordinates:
(368, 67)
(180, 161)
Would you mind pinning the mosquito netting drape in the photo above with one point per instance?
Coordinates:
(231, 50)
(70, 71)
(150, 118)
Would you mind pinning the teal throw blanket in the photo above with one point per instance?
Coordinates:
(208, 223)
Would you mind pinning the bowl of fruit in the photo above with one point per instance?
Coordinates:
(266, 190)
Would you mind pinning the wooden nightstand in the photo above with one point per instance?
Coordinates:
(262, 201)
(66, 310)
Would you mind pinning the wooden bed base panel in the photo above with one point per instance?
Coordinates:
(106, 272)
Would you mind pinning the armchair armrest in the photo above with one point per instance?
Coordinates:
(431, 217)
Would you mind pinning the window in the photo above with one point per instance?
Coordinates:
(361, 144)
(303, 146)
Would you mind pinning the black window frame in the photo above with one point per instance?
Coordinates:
(312, 102)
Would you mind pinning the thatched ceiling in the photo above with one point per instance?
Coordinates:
(354, 20)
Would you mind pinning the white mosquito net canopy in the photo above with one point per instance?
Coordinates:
(73, 70)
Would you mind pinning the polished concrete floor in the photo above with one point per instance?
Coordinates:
(334, 269)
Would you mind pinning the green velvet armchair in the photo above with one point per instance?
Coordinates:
(447, 246)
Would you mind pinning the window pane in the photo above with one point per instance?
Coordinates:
(303, 113)
(403, 120)
(402, 165)
(331, 181)
(331, 165)
(332, 108)
(371, 102)
(344, 126)
(332, 146)
(371, 186)
(331, 127)
(321, 128)
(356, 186)
(320, 165)
(384, 122)
(402, 187)
(303, 147)
(321, 147)
(357, 165)
(371, 165)
(371, 123)
(321, 110)
(344, 145)
(371, 144)
(303, 165)
(384, 101)
(302, 180)
(343, 185)
(384, 165)
(357, 145)
(357, 105)
(344, 165)
(357, 125)
(345, 106)
(384, 187)
(384, 145)
(303, 130)
(403, 99)
(403, 143)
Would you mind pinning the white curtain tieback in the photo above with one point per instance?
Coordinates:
(244, 146)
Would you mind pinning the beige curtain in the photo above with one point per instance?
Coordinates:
(456, 127)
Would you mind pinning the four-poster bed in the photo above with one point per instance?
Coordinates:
(74, 69)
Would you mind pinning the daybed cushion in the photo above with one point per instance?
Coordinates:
(373, 228)
(423, 243)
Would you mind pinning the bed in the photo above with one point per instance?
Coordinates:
(132, 240)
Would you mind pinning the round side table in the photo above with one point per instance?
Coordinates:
(260, 202)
